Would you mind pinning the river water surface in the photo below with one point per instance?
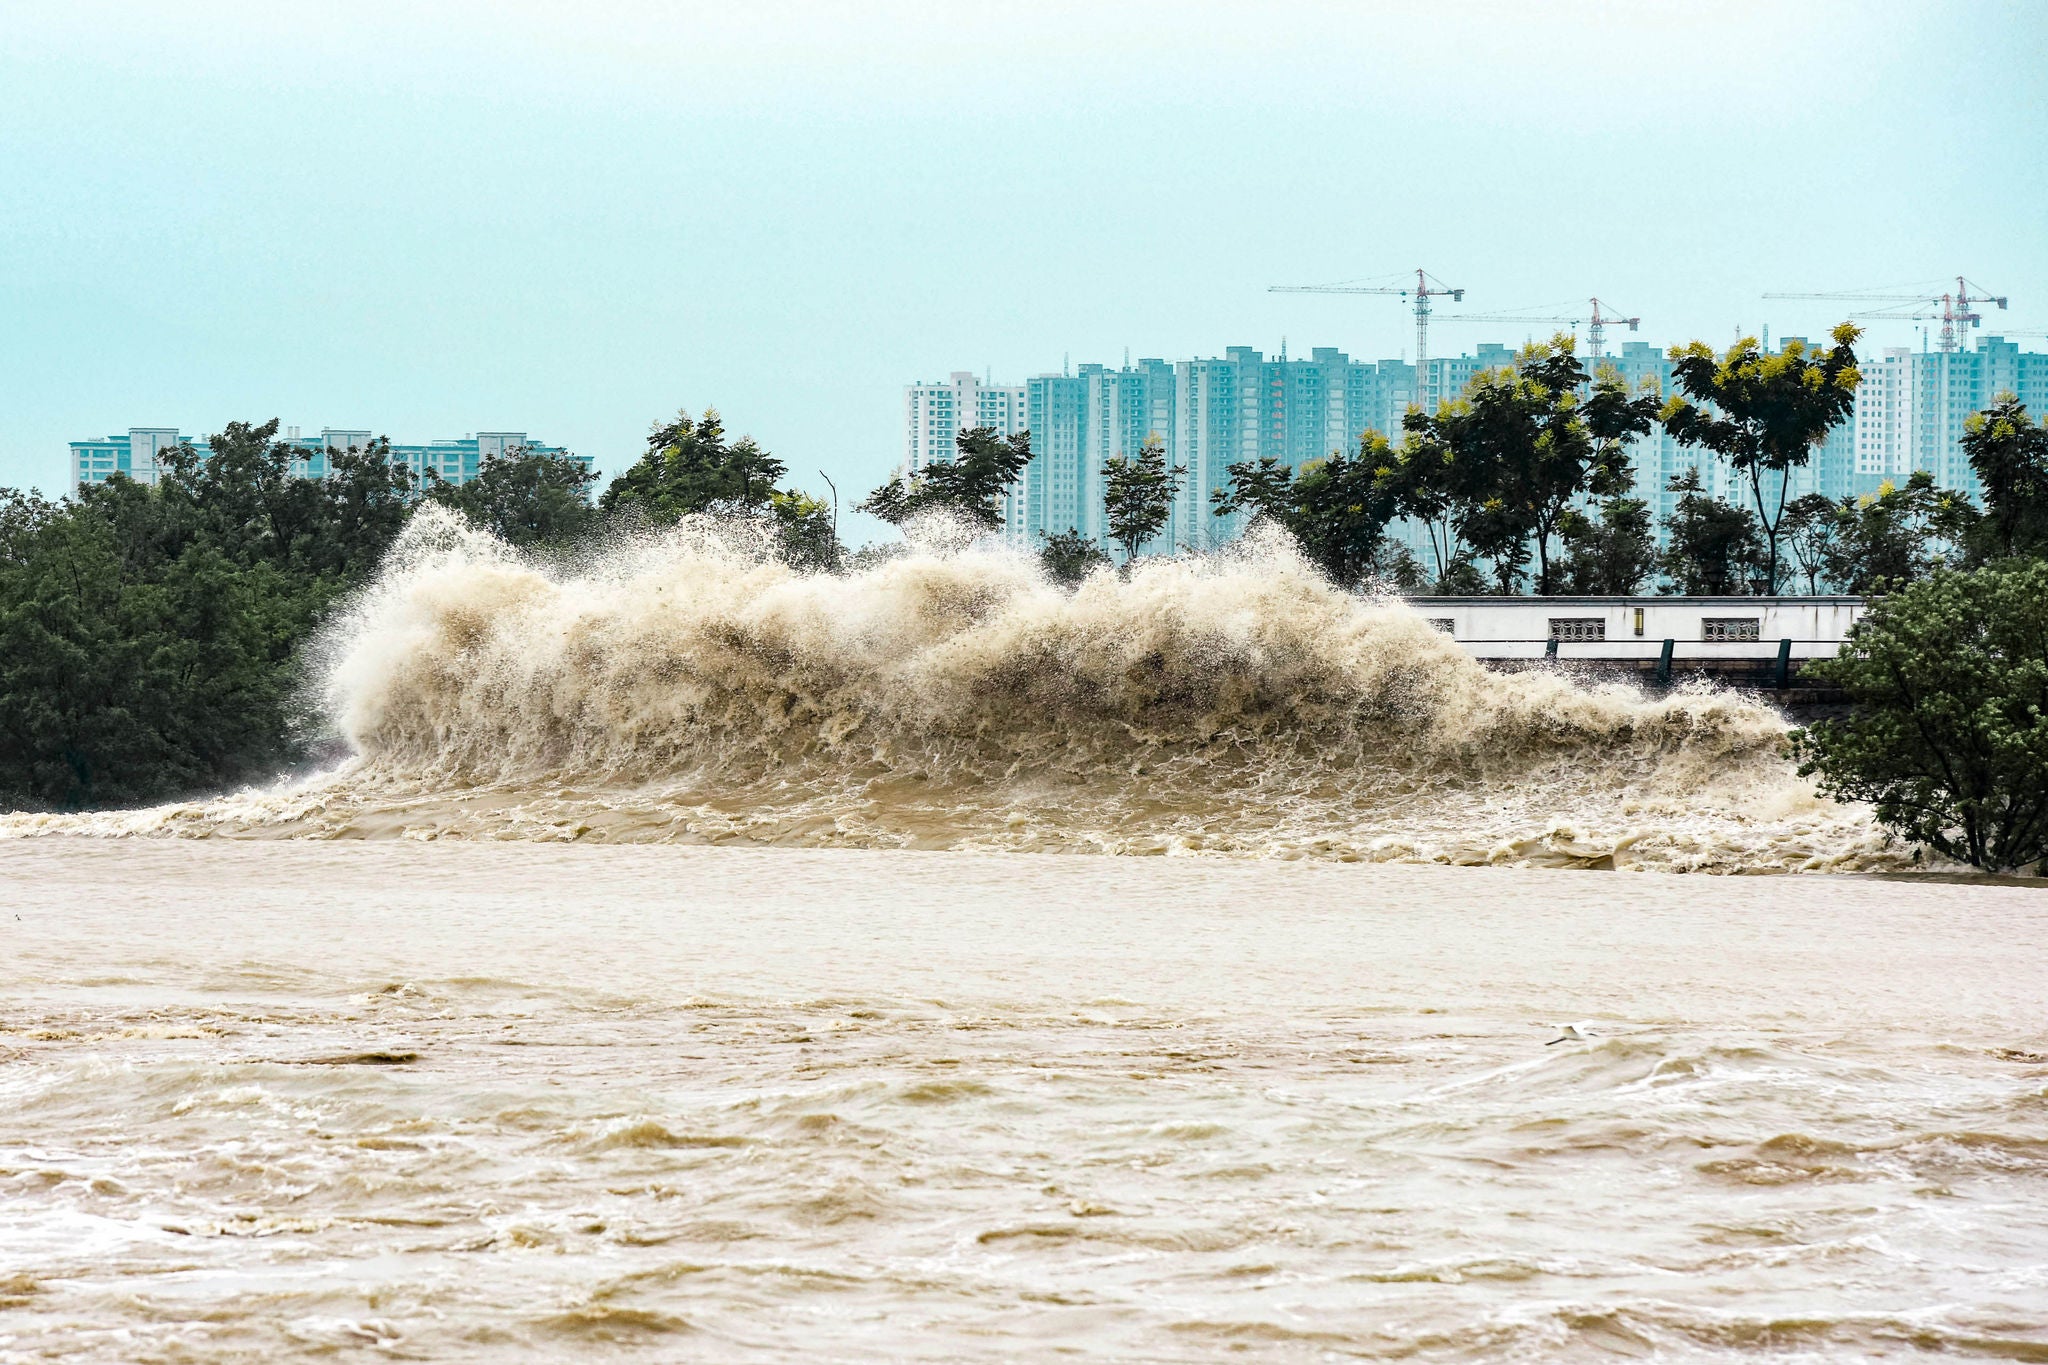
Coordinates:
(347, 1100)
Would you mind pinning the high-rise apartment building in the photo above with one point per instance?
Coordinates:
(1911, 407)
(1208, 415)
(140, 454)
(934, 413)
(1241, 406)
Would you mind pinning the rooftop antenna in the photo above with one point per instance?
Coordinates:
(1127, 357)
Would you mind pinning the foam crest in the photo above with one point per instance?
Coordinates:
(684, 685)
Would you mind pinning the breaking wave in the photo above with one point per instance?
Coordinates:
(685, 687)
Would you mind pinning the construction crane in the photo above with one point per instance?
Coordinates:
(1597, 322)
(1951, 307)
(1425, 288)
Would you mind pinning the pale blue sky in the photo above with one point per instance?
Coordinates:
(436, 218)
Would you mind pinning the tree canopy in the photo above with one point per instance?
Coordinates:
(1137, 495)
(1537, 444)
(524, 499)
(971, 485)
(1763, 413)
(1336, 508)
(1612, 555)
(1713, 548)
(1069, 557)
(690, 467)
(1948, 741)
(149, 635)
(2009, 453)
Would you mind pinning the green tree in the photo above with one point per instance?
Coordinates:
(524, 498)
(1812, 527)
(1258, 488)
(2009, 452)
(1711, 548)
(690, 467)
(118, 688)
(1340, 509)
(1500, 535)
(1337, 509)
(1610, 556)
(1892, 537)
(1763, 414)
(1429, 483)
(1069, 557)
(1137, 495)
(805, 537)
(971, 485)
(1948, 741)
(150, 636)
(1541, 444)
(1397, 569)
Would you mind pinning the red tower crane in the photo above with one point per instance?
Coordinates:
(1951, 306)
(1425, 288)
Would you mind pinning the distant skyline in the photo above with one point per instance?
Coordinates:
(444, 217)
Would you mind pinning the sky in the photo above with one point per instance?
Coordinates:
(430, 219)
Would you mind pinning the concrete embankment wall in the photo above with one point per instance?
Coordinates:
(1752, 643)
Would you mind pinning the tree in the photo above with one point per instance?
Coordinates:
(1811, 529)
(1340, 509)
(1611, 556)
(970, 485)
(1891, 538)
(805, 537)
(1258, 488)
(140, 656)
(150, 636)
(2009, 452)
(1711, 548)
(1429, 483)
(1948, 741)
(1337, 509)
(1069, 557)
(1397, 568)
(1543, 446)
(689, 467)
(1137, 495)
(1763, 413)
(1501, 536)
(1499, 472)
(524, 498)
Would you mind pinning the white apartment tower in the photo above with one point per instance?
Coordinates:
(934, 413)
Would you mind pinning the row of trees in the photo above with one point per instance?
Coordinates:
(1500, 476)
(1528, 471)
(151, 637)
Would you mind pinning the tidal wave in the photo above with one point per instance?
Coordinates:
(686, 687)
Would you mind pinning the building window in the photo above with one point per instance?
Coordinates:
(1578, 629)
(1730, 629)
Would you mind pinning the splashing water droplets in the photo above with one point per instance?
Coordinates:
(685, 686)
